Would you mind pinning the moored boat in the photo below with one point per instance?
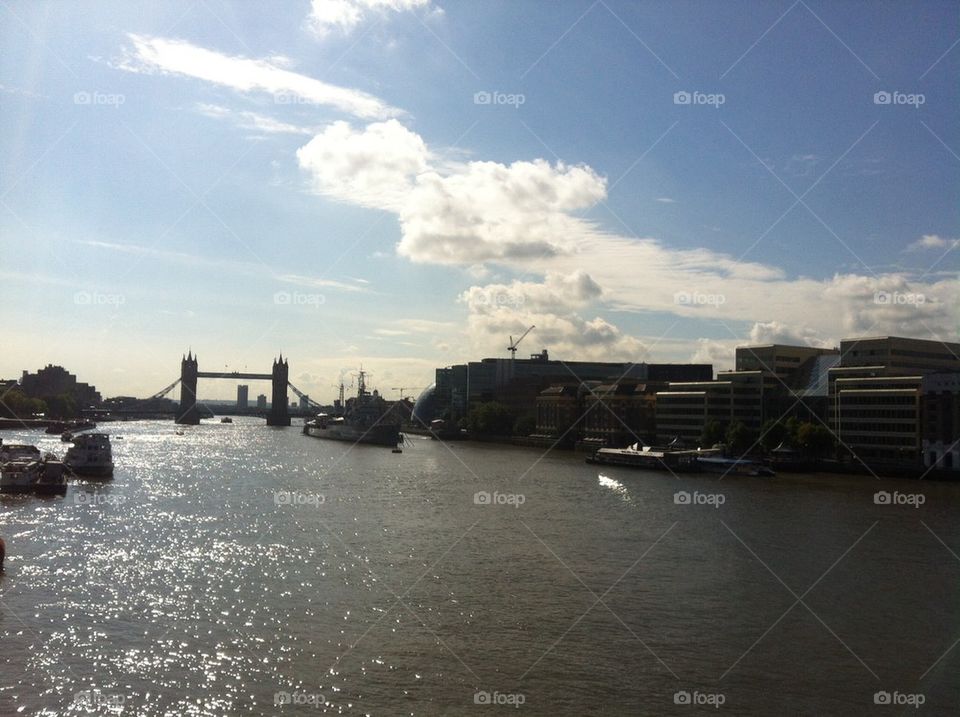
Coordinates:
(649, 458)
(367, 419)
(90, 455)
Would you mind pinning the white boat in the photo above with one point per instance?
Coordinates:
(90, 455)
(31, 476)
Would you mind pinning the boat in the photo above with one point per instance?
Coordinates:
(90, 455)
(226, 419)
(734, 466)
(28, 475)
(649, 458)
(366, 419)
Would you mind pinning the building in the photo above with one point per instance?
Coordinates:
(794, 379)
(875, 395)
(517, 383)
(877, 419)
(684, 408)
(261, 402)
(940, 431)
(57, 381)
(243, 393)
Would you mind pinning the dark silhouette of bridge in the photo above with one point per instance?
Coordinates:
(188, 412)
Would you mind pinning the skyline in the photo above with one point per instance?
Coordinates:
(652, 183)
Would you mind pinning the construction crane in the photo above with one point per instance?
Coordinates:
(512, 348)
(406, 388)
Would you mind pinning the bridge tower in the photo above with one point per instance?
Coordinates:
(279, 410)
(187, 412)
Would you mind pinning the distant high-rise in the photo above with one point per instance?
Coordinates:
(243, 393)
(304, 403)
(261, 402)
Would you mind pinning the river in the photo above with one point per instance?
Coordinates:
(241, 569)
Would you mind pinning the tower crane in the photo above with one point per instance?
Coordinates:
(512, 348)
(401, 389)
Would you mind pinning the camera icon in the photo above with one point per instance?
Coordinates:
(282, 497)
(683, 298)
(681, 697)
(681, 497)
(281, 698)
(882, 98)
(882, 497)
(481, 698)
(882, 698)
(282, 298)
(882, 297)
(482, 98)
(681, 98)
(482, 497)
(82, 98)
(83, 298)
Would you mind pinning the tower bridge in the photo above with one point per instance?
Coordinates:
(188, 412)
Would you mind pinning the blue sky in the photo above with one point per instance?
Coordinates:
(329, 181)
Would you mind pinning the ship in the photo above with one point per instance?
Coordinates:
(366, 419)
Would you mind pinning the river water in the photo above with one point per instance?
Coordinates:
(240, 569)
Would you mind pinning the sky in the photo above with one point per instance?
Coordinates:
(406, 184)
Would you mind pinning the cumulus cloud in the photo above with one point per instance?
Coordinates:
(347, 14)
(523, 217)
(376, 167)
(158, 55)
(554, 306)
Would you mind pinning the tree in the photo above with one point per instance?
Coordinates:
(713, 433)
(63, 406)
(490, 419)
(815, 439)
(773, 434)
(15, 404)
(740, 439)
(525, 425)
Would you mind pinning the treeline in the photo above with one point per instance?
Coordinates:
(16, 404)
(813, 440)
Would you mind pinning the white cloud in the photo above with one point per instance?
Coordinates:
(375, 168)
(252, 120)
(152, 55)
(347, 14)
(933, 241)
(665, 200)
(521, 217)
